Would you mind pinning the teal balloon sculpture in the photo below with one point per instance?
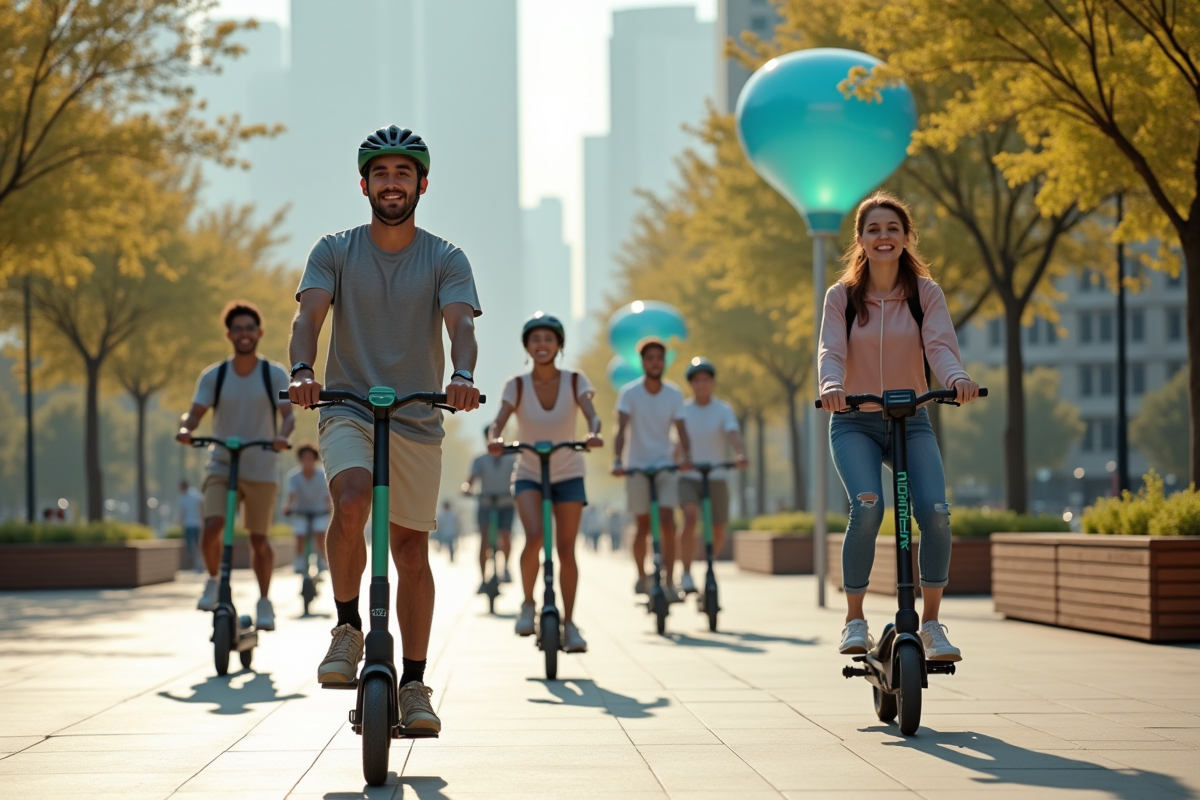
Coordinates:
(816, 147)
(640, 319)
(621, 372)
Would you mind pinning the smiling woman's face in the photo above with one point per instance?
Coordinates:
(542, 345)
(883, 237)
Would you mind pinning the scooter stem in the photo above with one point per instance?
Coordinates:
(907, 620)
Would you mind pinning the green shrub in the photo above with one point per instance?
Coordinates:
(81, 533)
(796, 522)
(1149, 512)
(1180, 515)
(276, 530)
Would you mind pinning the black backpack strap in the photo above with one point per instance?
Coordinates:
(918, 314)
(520, 387)
(575, 387)
(266, 377)
(851, 313)
(221, 370)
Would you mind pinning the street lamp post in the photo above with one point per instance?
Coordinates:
(822, 151)
(30, 493)
(1122, 366)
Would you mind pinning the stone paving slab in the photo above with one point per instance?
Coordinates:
(126, 705)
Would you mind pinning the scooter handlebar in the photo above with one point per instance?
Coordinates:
(517, 446)
(435, 399)
(937, 396)
(205, 441)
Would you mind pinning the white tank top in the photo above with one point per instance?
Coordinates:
(557, 424)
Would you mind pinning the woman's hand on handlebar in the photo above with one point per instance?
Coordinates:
(741, 461)
(834, 400)
(967, 389)
(594, 441)
(305, 389)
(496, 446)
(184, 436)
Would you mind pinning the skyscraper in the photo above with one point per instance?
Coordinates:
(733, 17)
(547, 262)
(661, 68)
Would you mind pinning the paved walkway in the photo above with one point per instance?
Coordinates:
(111, 694)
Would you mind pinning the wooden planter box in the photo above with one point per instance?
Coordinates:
(284, 548)
(774, 553)
(89, 566)
(1143, 587)
(970, 564)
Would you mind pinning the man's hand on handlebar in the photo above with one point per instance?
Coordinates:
(594, 441)
(741, 461)
(834, 400)
(462, 395)
(280, 444)
(967, 389)
(304, 389)
(184, 436)
(496, 446)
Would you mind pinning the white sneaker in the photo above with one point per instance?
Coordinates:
(673, 595)
(265, 615)
(687, 585)
(855, 638)
(642, 585)
(572, 641)
(300, 565)
(525, 623)
(937, 646)
(208, 600)
(506, 576)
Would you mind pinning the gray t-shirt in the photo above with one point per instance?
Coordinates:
(495, 475)
(387, 319)
(311, 494)
(244, 411)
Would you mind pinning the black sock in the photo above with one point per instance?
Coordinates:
(348, 613)
(413, 670)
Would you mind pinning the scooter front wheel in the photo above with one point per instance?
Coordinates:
(550, 644)
(376, 731)
(711, 608)
(660, 613)
(308, 592)
(909, 661)
(222, 642)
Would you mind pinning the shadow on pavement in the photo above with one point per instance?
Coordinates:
(425, 789)
(229, 700)
(1006, 764)
(585, 693)
(760, 638)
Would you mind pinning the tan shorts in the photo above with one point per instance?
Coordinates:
(415, 473)
(637, 492)
(257, 499)
(718, 492)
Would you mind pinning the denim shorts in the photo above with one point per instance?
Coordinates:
(568, 491)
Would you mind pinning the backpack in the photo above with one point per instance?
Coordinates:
(574, 389)
(914, 308)
(265, 370)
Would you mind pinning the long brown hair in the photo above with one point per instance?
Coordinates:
(855, 275)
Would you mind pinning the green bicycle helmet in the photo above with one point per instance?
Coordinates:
(393, 140)
(543, 320)
(700, 364)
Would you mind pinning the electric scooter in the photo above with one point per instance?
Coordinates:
(376, 715)
(657, 604)
(896, 668)
(308, 586)
(492, 585)
(707, 601)
(231, 632)
(549, 639)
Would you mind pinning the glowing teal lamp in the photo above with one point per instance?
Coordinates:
(629, 325)
(823, 152)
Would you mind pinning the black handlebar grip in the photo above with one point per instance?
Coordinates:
(982, 392)
(283, 395)
(818, 404)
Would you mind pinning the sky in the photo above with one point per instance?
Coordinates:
(563, 90)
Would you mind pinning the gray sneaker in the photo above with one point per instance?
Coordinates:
(686, 584)
(855, 638)
(642, 585)
(208, 600)
(572, 641)
(673, 594)
(264, 615)
(416, 712)
(525, 623)
(937, 646)
(341, 662)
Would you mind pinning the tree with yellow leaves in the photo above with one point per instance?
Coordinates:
(1105, 95)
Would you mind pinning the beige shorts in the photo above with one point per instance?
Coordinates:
(257, 499)
(415, 472)
(637, 492)
(718, 492)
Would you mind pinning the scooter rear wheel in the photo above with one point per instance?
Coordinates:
(711, 608)
(222, 642)
(549, 631)
(660, 613)
(246, 656)
(308, 592)
(909, 661)
(376, 731)
(885, 704)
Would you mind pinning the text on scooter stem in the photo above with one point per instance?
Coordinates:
(902, 508)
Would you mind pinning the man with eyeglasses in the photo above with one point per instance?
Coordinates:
(243, 393)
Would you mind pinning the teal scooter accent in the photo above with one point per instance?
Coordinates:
(707, 602)
(658, 605)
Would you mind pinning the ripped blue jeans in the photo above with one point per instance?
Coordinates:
(861, 444)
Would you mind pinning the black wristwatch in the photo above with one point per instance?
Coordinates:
(299, 366)
(462, 373)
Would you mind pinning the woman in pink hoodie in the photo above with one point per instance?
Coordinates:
(885, 348)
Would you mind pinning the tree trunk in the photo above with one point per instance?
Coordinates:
(760, 458)
(799, 498)
(743, 482)
(1014, 432)
(91, 437)
(143, 513)
(1191, 265)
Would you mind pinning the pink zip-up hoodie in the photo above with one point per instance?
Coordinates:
(886, 352)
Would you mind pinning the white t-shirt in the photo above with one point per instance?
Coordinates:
(189, 508)
(537, 424)
(311, 494)
(707, 428)
(495, 478)
(651, 416)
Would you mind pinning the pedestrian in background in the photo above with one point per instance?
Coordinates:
(190, 519)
